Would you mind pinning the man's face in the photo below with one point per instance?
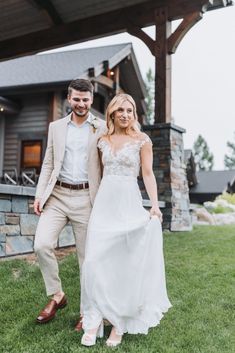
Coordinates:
(80, 102)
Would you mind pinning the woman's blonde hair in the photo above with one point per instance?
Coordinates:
(115, 103)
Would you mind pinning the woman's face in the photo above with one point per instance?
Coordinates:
(123, 116)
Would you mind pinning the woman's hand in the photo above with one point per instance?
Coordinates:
(155, 211)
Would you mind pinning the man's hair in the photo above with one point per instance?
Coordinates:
(82, 85)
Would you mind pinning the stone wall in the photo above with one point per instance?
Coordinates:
(18, 222)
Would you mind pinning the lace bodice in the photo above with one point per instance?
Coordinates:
(126, 160)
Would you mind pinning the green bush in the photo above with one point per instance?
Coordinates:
(230, 198)
(221, 209)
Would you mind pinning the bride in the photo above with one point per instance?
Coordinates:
(123, 277)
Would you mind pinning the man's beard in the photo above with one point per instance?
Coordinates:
(81, 114)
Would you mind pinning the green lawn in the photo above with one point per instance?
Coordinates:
(200, 275)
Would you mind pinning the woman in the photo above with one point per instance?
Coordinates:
(123, 274)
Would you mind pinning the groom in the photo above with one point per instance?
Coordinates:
(66, 189)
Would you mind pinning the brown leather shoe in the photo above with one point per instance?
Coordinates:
(78, 327)
(48, 313)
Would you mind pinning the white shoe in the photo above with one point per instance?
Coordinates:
(89, 339)
(114, 342)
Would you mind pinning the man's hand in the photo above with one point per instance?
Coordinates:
(36, 207)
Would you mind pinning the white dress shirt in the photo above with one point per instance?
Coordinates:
(74, 167)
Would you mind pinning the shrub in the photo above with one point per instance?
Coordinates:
(221, 209)
(230, 198)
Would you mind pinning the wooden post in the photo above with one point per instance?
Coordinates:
(54, 106)
(163, 68)
(2, 141)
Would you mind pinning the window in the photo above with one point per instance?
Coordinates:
(31, 154)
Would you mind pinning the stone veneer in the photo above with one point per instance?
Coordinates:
(18, 222)
(170, 173)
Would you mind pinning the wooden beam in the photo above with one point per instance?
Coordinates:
(188, 22)
(139, 33)
(50, 11)
(54, 101)
(116, 79)
(96, 26)
(104, 80)
(180, 9)
(162, 68)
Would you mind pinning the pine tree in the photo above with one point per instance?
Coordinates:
(204, 159)
(149, 84)
(229, 159)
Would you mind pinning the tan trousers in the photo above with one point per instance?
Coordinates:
(62, 206)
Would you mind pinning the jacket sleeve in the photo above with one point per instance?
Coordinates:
(47, 166)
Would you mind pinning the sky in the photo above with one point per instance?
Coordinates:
(203, 78)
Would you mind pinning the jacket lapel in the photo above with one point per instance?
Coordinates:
(62, 136)
(92, 133)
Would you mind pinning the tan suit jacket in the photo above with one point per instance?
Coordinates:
(54, 157)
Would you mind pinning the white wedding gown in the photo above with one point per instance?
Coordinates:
(123, 277)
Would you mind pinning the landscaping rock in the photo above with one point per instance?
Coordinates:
(204, 216)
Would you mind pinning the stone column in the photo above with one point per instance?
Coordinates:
(170, 173)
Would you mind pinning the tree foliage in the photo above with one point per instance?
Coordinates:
(204, 159)
(229, 159)
(150, 88)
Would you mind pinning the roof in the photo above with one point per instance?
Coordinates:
(60, 66)
(213, 181)
(28, 27)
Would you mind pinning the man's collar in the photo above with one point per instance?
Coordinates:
(89, 119)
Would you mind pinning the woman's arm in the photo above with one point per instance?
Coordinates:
(146, 155)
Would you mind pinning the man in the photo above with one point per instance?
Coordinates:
(66, 189)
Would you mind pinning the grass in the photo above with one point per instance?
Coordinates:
(200, 276)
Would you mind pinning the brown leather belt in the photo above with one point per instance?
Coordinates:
(72, 186)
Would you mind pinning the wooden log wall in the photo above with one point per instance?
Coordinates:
(30, 123)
